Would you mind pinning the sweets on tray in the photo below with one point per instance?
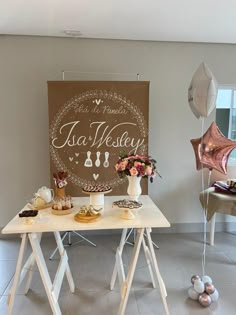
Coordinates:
(62, 203)
(28, 217)
(127, 203)
(28, 213)
(96, 188)
(87, 214)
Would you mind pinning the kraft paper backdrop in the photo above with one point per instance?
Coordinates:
(90, 122)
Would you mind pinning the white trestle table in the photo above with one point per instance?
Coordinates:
(145, 219)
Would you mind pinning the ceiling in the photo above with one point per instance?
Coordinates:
(156, 20)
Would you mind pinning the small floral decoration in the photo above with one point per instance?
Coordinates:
(60, 179)
(136, 165)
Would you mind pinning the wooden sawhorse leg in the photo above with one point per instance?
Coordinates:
(119, 268)
(52, 289)
(157, 272)
(126, 285)
(18, 273)
(126, 282)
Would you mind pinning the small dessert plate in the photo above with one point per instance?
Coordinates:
(62, 212)
(28, 220)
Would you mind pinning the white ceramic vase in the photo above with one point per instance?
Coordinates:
(134, 189)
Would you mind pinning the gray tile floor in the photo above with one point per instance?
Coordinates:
(179, 257)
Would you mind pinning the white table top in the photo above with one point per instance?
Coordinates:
(149, 216)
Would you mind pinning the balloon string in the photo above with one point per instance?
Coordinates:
(205, 210)
(203, 189)
(202, 120)
(205, 206)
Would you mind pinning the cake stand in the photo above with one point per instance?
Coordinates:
(128, 208)
(96, 198)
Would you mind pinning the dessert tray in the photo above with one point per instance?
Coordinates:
(62, 205)
(32, 207)
(62, 212)
(127, 204)
(128, 208)
(87, 215)
(28, 217)
(96, 189)
(86, 218)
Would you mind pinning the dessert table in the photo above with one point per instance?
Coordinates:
(216, 202)
(146, 218)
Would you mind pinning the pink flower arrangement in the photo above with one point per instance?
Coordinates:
(136, 165)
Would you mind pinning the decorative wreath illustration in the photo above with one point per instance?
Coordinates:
(73, 103)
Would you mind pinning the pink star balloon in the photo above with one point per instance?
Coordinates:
(212, 150)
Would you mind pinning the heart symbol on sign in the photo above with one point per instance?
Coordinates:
(76, 162)
(71, 158)
(76, 154)
(95, 176)
(98, 101)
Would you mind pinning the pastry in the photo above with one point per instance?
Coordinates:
(96, 188)
(127, 203)
(39, 202)
(28, 213)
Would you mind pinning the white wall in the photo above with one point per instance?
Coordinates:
(27, 63)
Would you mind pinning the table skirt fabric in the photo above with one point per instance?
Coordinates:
(213, 201)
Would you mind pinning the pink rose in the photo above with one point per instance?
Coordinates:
(149, 171)
(123, 165)
(117, 167)
(133, 171)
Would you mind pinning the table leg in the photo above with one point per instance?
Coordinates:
(127, 284)
(44, 273)
(128, 235)
(11, 296)
(119, 264)
(149, 262)
(62, 251)
(212, 229)
(31, 267)
(158, 275)
(56, 249)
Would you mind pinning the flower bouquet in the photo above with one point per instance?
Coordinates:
(136, 165)
(60, 179)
